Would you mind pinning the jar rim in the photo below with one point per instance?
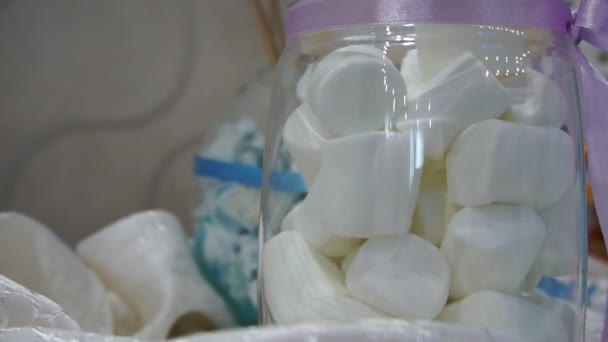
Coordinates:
(307, 16)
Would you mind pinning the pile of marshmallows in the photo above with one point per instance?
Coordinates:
(452, 213)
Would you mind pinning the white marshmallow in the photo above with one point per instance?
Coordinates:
(301, 285)
(20, 307)
(503, 313)
(501, 49)
(410, 70)
(491, 247)
(403, 275)
(433, 209)
(360, 49)
(303, 84)
(537, 100)
(457, 97)
(348, 259)
(145, 260)
(33, 256)
(561, 308)
(303, 138)
(319, 237)
(499, 161)
(356, 89)
(560, 254)
(367, 184)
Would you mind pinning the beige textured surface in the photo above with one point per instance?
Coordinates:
(103, 103)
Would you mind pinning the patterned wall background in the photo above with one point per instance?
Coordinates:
(104, 103)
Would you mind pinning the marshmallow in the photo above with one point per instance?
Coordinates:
(303, 84)
(303, 138)
(503, 313)
(403, 275)
(499, 161)
(319, 237)
(563, 309)
(457, 97)
(433, 209)
(560, 254)
(348, 259)
(33, 256)
(20, 307)
(356, 89)
(145, 260)
(410, 70)
(537, 100)
(301, 285)
(491, 247)
(501, 49)
(367, 184)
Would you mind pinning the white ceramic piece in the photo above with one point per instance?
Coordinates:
(460, 95)
(303, 138)
(499, 161)
(503, 313)
(560, 254)
(318, 236)
(356, 89)
(367, 185)
(20, 307)
(301, 285)
(126, 320)
(491, 248)
(403, 275)
(501, 49)
(537, 100)
(33, 256)
(348, 259)
(144, 259)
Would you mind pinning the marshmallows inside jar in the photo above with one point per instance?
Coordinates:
(355, 89)
(461, 94)
(403, 275)
(376, 236)
(301, 285)
(499, 161)
(367, 185)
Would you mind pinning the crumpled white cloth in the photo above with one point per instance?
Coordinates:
(364, 331)
(20, 307)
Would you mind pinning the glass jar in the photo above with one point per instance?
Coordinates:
(445, 175)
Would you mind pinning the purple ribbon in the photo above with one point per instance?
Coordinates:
(315, 15)
(589, 23)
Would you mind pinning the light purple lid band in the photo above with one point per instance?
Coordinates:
(317, 15)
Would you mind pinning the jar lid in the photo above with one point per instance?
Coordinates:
(305, 16)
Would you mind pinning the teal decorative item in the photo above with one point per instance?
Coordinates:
(226, 222)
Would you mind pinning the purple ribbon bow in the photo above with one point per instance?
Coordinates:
(589, 23)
